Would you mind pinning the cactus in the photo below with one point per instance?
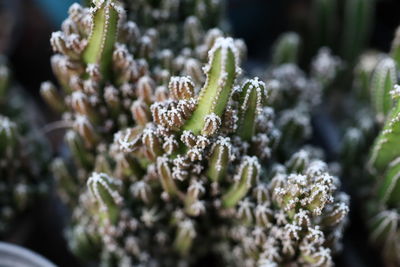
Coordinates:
(324, 20)
(382, 82)
(375, 174)
(286, 49)
(22, 155)
(356, 29)
(165, 156)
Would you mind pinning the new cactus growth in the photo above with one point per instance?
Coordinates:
(286, 49)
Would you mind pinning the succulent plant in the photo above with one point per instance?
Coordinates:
(375, 86)
(385, 167)
(22, 155)
(110, 73)
(170, 164)
(342, 26)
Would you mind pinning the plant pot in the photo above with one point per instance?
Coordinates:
(16, 256)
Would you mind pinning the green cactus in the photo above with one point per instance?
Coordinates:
(286, 49)
(356, 29)
(323, 27)
(169, 161)
(213, 98)
(382, 81)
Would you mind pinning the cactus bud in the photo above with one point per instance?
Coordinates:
(152, 143)
(181, 87)
(286, 49)
(221, 155)
(192, 68)
(246, 177)
(145, 89)
(192, 31)
(252, 98)
(335, 214)
(64, 179)
(85, 129)
(51, 96)
(104, 189)
(184, 237)
(130, 139)
(164, 172)
(140, 112)
(298, 162)
(142, 190)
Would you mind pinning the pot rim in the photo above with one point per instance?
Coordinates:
(16, 254)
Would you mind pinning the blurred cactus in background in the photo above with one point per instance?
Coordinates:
(23, 153)
(174, 155)
(374, 174)
(342, 26)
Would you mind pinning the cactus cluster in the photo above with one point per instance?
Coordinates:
(376, 90)
(22, 155)
(172, 18)
(343, 26)
(171, 163)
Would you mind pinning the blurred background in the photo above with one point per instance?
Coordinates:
(258, 22)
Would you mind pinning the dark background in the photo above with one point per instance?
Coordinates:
(258, 22)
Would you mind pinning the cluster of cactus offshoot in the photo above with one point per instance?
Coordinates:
(375, 87)
(22, 155)
(384, 156)
(172, 163)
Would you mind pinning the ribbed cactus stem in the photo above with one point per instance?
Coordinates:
(382, 82)
(252, 98)
(384, 226)
(387, 145)
(52, 97)
(104, 189)
(389, 190)
(286, 49)
(222, 70)
(221, 155)
(105, 19)
(246, 177)
(64, 178)
(357, 24)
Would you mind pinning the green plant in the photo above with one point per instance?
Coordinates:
(375, 173)
(172, 165)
